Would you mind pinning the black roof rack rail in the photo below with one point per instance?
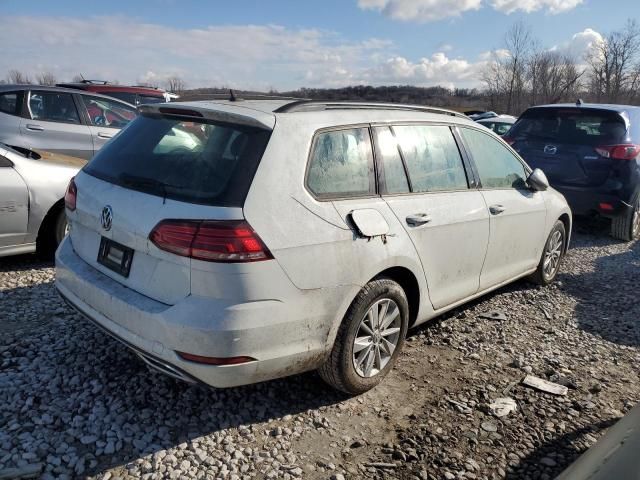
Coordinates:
(238, 96)
(317, 105)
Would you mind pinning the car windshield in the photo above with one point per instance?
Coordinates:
(571, 126)
(195, 161)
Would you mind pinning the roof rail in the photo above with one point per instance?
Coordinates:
(241, 96)
(317, 105)
(94, 82)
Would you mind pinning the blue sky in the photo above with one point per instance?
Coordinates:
(288, 44)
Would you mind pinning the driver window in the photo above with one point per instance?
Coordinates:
(103, 112)
(53, 107)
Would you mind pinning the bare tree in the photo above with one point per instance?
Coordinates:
(46, 78)
(612, 63)
(16, 76)
(175, 84)
(552, 77)
(505, 76)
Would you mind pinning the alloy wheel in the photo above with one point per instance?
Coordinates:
(377, 337)
(635, 221)
(552, 254)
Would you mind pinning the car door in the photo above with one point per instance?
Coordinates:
(14, 205)
(517, 213)
(54, 124)
(428, 187)
(106, 117)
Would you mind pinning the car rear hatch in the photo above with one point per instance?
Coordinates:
(572, 145)
(168, 189)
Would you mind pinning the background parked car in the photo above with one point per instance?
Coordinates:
(60, 120)
(32, 187)
(591, 154)
(135, 95)
(500, 124)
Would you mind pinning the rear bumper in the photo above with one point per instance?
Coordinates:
(587, 201)
(285, 337)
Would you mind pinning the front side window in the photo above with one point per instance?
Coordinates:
(497, 166)
(53, 107)
(107, 113)
(10, 102)
(432, 157)
(341, 164)
(395, 177)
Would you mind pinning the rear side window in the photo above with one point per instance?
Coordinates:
(341, 164)
(10, 102)
(432, 157)
(497, 166)
(576, 126)
(198, 162)
(53, 107)
(107, 113)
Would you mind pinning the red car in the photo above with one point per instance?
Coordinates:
(135, 95)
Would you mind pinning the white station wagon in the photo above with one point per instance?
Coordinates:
(231, 242)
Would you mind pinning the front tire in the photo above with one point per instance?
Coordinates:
(369, 338)
(626, 227)
(552, 255)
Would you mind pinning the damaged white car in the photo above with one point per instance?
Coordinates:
(287, 236)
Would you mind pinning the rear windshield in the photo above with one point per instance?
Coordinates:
(570, 125)
(198, 162)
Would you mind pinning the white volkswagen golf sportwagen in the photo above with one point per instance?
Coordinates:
(231, 242)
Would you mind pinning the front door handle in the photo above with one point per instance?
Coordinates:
(496, 209)
(418, 219)
(34, 127)
(105, 135)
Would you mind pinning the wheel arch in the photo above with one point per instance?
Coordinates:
(409, 283)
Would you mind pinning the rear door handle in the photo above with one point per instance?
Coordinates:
(105, 135)
(496, 209)
(34, 127)
(418, 219)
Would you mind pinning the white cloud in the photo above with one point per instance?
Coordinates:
(551, 6)
(435, 70)
(420, 10)
(582, 44)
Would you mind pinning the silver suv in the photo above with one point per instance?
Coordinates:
(240, 241)
(60, 120)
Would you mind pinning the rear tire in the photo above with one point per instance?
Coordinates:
(369, 338)
(552, 255)
(626, 227)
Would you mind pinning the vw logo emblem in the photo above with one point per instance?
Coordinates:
(107, 217)
(550, 149)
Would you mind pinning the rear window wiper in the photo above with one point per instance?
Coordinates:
(141, 182)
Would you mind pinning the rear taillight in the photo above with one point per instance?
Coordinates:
(229, 241)
(509, 140)
(71, 196)
(619, 152)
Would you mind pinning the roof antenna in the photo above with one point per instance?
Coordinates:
(579, 102)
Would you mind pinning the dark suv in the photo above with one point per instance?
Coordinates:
(590, 153)
(135, 95)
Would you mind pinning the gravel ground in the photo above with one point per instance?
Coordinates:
(74, 403)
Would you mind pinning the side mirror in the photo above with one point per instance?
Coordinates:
(5, 162)
(538, 180)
